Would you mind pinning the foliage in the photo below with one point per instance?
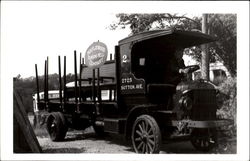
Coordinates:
(227, 101)
(223, 26)
(227, 110)
(26, 87)
(144, 22)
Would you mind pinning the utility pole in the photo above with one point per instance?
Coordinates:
(204, 52)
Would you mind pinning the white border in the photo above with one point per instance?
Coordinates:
(191, 7)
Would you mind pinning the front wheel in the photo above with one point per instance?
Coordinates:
(146, 135)
(204, 139)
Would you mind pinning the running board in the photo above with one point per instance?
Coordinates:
(116, 126)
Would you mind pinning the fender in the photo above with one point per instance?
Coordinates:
(134, 113)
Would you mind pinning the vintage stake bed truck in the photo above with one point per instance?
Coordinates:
(134, 95)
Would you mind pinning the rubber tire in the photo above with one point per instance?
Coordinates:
(156, 134)
(99, 130)
(205, 134)
(59, 130)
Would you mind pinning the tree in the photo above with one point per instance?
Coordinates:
(205, 54)
(26, 87)
(223, 26)
(144, 22)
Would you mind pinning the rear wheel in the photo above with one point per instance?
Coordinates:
(99, 130)
(146, 135)
(204, 139)
(56, 126)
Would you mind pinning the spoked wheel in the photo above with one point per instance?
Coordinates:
(204, 139)
(56, 126)
(146, 135)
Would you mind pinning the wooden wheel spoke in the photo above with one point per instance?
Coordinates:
(147, 150)
(151, 142)
(138, 139)
(140, 128)
(151, 136)
(143, 126)
(138, 132)
(139, 146)
(150, 147)
(150, 130)
(143, 148)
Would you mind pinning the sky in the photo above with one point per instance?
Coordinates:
(34, 30)
(31, 31)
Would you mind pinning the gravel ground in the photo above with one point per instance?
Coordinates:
(87, 141)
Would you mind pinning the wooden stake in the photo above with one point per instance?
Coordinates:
(64, 84)
(60, 80)
(76, 100)
(37, 85)
(80, 77)
(45, 83)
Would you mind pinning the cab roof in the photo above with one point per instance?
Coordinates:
(171, 36)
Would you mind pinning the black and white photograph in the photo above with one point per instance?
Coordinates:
(112, 80)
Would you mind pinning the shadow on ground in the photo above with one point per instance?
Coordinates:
(110, 139)
(88, 139)
(64, 150)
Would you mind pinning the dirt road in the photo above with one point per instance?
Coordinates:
(87, 142)
(78, 141)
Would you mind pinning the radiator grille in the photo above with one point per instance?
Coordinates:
(204, 104)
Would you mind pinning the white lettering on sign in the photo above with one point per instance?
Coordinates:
(94, 63)
(96, 55)
(126, 80)
(138, 86)
(131, 86)
(125, 59)
(101, 48)
(126, 87)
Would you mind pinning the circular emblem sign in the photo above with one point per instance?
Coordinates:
(96, 55)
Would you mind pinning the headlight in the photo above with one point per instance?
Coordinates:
(186, 102)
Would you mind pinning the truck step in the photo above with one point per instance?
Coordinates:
(114, 125)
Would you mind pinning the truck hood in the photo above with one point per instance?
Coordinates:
(195, 85)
